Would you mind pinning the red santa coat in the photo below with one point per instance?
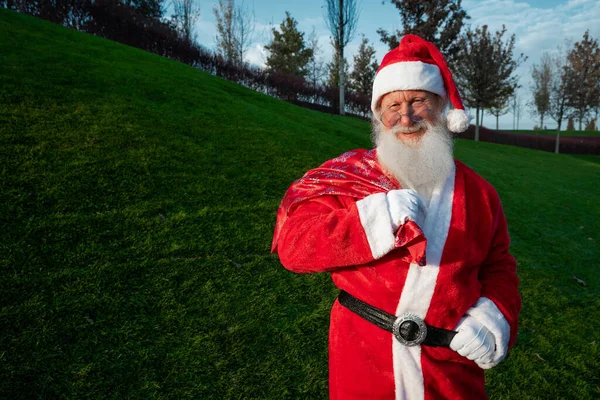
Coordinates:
(335, 219)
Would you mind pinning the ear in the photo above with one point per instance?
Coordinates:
(378, 106)
(441, 102)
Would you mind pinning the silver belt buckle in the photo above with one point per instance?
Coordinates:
(417, 330)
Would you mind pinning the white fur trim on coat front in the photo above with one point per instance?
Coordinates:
(418, 291)
(487, 313)
(408, 75)
(377, 223)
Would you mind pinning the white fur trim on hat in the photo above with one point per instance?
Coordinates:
(408, 75)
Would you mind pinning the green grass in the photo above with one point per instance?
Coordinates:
(553, 132)
(139, 198)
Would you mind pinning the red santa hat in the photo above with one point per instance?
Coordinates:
(417, 64)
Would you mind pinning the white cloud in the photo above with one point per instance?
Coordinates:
(256, 55)
(317, 22)
(206, 29)
(577, 3)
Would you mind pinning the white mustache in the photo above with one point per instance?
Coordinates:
(409, 129)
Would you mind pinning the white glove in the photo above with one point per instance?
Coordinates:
(405, 205)
(474, 341)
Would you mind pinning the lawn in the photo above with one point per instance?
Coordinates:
(139, 198)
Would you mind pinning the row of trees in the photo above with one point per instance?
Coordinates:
(290, 54)
(143, 23)
(482, 61)
(566, 85)
(77, 13)
(139, 23)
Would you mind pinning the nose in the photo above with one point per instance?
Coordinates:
(405, 112)
(405, 119)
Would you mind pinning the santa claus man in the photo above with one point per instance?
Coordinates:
(416, 241)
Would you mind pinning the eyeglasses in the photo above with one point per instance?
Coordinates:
(391, 118)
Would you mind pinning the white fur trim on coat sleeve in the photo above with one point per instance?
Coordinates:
(487, 313)
(377, 223)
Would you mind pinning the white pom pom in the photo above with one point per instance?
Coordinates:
(457, 120)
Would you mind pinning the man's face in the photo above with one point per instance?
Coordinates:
(406, 113)
(412, 140)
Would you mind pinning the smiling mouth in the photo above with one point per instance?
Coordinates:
(409, 133)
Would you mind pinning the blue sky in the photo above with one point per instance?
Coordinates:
(539, 26)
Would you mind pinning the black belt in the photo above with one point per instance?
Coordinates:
(409, 329)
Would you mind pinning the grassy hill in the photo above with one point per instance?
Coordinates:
(138, 203)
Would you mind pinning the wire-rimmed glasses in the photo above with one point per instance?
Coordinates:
(391, 117)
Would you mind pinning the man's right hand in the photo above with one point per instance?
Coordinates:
(405, 205)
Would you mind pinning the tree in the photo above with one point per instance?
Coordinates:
(288, 54)
(596, 108)
(342, 18)
(516, 109)
(485, 69)
(149, 8)
(186, 14)
(499, 107)
(316, 65)
(590, 125)
(235, 30)
(364, 70)
(557, 106)
(333, 70)
(244, 22)
(583, 65)
(76, 13)
(226, 39)
(596, 113)
(439, 22)
(542, 77)
(570, 124)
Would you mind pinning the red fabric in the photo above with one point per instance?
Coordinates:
(414, 48)
(411, 48)
(355, 174)
(324, 233)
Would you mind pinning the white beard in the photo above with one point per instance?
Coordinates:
(422, 164)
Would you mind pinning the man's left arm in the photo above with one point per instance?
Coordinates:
(498, 276)
(500, 303)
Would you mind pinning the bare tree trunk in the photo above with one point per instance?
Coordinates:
(497, 118)
(187, 12)
(482, 113)
(342, 100)
(477, 124)
(341, 21)
(557, 145)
